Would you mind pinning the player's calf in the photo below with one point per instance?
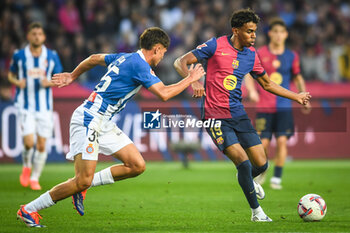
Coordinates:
(256, 171)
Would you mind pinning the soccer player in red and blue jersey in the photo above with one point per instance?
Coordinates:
(229, 59)
(274, 112)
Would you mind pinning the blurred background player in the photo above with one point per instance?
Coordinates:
(229, 59)
(91, 128)
(274, 113)
(31, 71)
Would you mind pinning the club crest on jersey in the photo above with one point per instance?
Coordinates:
(90, 148)
(202, 45)
(230, 82)
(276, 63)
(220, 140)
(235, 64)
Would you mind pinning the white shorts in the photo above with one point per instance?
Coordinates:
(90, 142)
(40, 123)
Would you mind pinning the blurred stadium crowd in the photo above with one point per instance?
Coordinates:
(319, 30)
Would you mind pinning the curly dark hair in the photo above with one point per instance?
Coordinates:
(152, 36)
(243, 16)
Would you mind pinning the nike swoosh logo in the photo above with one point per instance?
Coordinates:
(224, 54)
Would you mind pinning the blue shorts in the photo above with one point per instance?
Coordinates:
(279, 123)
(238, 130)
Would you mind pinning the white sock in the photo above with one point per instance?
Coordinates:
(102, 177)
(42, 202)
(27, 157)
(38, 164)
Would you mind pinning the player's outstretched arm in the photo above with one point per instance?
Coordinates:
(64, 79)
(181, 64)
(268, 85)
(167, 92)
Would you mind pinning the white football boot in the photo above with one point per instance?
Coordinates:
(258, 215)
(260, 193)
(275, 183)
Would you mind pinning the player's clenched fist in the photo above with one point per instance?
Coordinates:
(303, 98)
(62, 79)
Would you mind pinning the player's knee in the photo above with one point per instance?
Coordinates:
(263, 168)
(28, 144)
(40, 147)
(83, 182)
(282, 141)
(138, 167)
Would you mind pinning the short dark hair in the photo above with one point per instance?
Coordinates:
(152, 36)
(243, 16)
(35, 25)
(277, 21)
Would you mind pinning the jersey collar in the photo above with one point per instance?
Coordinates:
(244, 51)
(43, 50)
(141, 54)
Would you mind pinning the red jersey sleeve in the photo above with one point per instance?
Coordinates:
(296, 64)
(258, 69)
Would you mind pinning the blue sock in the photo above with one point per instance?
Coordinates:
(258, 170)
(245, 180)
(278, 172)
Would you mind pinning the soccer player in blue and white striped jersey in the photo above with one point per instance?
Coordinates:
(31, 71)
(91, 128)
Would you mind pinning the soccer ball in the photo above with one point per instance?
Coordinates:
(312, 207)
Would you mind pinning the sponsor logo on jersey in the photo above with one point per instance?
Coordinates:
(235, 64)
(230, 82)
(276, 78)
(36, 73)
(90, 148)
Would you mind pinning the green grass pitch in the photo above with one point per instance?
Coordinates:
(168, 198)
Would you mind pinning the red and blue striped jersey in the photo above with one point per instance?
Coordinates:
(281, 69)
(226, 68)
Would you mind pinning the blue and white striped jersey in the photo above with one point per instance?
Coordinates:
(34, 97)
(127, 73)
